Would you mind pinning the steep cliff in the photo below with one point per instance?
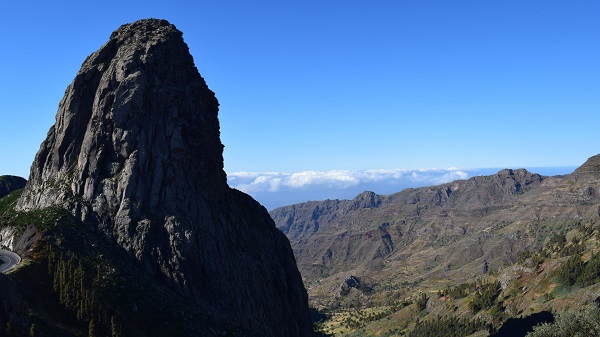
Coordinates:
(135, 152)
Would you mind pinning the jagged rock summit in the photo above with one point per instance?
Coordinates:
(136, 153)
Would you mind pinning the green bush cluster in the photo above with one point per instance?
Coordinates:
(572, 323)
(82, 287)
(421, 301)
(486, 297)
(576, 272)
(448, 327)
(460, 291)
(43, 219)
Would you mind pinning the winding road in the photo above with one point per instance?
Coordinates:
(8, 260)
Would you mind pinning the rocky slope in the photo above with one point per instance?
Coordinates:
(430, 237)
(590, 170)
(135, 154)
(10, 183)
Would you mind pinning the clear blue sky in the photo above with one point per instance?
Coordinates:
(347, 85)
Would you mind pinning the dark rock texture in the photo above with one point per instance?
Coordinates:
(136, 152)
(10, 183)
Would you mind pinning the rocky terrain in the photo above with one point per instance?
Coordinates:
(133, 167)
(427, 239)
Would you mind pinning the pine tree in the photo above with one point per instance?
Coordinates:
(115, 327)
(33, 331)
(92, 329)
(9, 329)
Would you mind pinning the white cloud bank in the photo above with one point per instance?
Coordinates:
(338, 179)
(275, 189)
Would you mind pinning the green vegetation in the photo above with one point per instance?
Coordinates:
(83, 286)
(43, 219)
(421, 302)
(574, 323)
(576, 272)
(8, 201)
(485, 297)
(570, 270)
(447, 327)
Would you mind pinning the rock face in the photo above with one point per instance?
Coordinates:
(136, 152)
(10, 183)
(352, 282)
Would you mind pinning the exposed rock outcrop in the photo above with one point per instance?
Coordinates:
(352, 282)
(136, 152)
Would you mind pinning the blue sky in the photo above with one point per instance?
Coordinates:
(340, 85)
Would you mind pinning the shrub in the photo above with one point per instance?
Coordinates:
(485, 297)
(421, 302)
(584, 323)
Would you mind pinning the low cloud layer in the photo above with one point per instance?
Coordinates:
(275, 189)
(277, 181)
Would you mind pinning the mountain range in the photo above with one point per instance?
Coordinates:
(427, 239)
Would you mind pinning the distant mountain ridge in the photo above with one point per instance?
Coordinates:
(447, 233)
(479, 190)
(10, 183)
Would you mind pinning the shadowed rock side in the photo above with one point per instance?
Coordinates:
(136, 152)
(10, 183)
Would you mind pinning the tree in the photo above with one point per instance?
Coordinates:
(570, 270)
(421, 302)
(115, 327)
(572, 323)
(9, 329)
(92, 329)
(33, 331)
(485, 297)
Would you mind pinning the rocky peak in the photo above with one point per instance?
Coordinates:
(515, 180)
(366, 199)
(135, 152)
(138, 125)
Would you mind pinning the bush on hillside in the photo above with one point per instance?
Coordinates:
(572, 323)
